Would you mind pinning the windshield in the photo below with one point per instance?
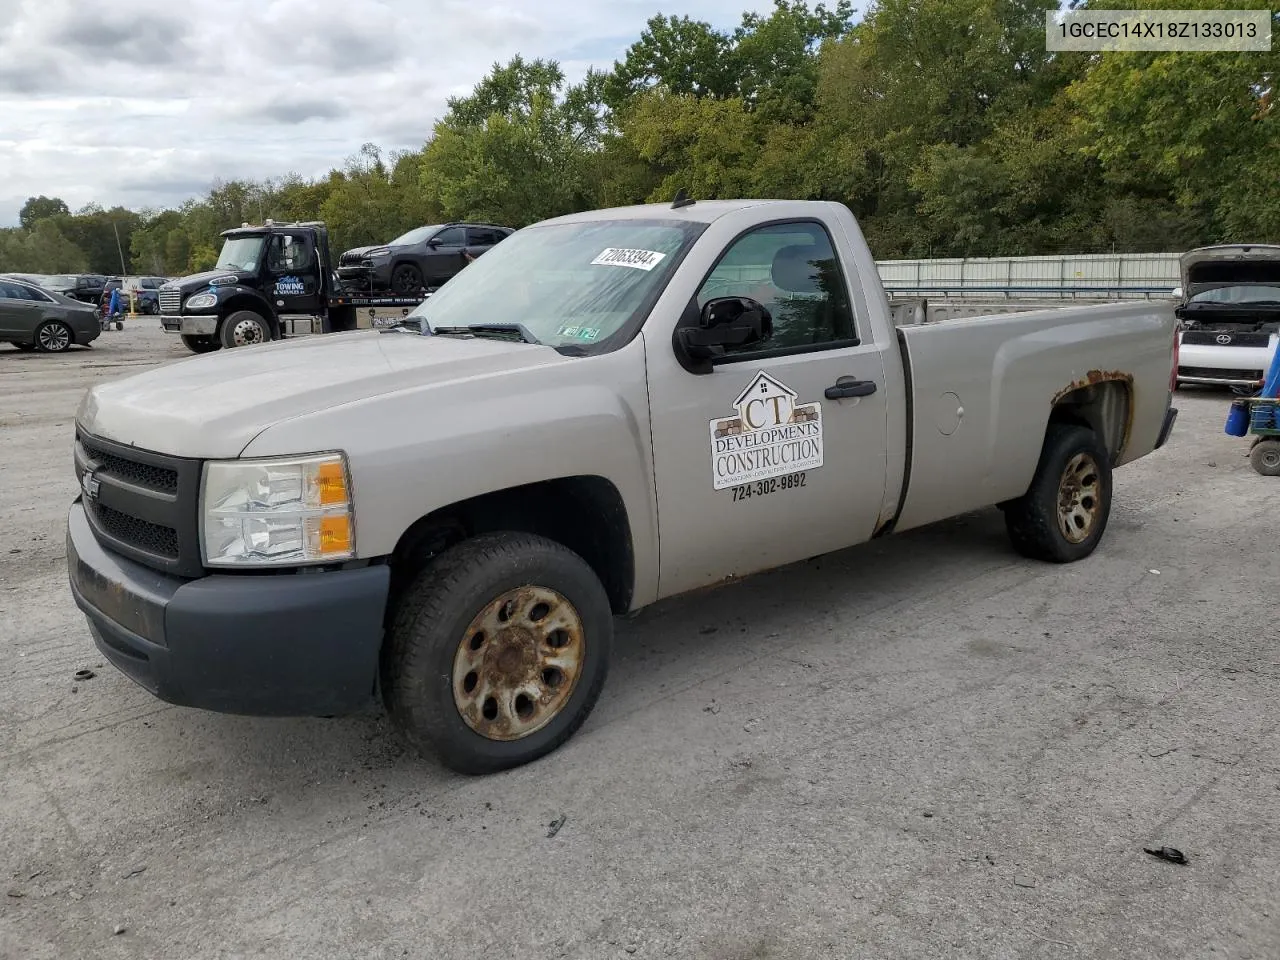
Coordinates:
(58, 282)
(567, 284)
(240, 253)
(1239, 293)
(413, 236)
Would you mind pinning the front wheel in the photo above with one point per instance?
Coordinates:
(245, 328)
(406, 279)
(54, 336)
(200, 344)
(1063, 515)
(497, 652)
(1265, 457)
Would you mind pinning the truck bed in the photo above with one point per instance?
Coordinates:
(981, 386)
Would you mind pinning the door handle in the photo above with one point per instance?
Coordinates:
(850, 387)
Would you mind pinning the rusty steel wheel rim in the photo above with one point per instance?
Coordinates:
(1079, 498)
(518, 663)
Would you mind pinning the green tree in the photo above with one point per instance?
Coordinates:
(41, 208)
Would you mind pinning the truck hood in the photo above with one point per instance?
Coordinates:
(198, 281)
(1207, 267)
(212, 406)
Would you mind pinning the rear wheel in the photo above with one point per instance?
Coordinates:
(200, 344)
(1265, 457)
(497, 652)
(53, 336)
(1063, 515)
(406, 278)
(245, 328)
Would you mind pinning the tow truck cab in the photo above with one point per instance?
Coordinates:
(270, 281)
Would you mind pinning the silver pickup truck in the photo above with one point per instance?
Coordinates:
(607, 409)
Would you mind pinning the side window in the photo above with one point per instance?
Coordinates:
(288, 253)
(481, 237)
(452, 237)
(792, 269)
(12, 291)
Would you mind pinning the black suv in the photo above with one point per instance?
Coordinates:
(85, 287)
(423, 258)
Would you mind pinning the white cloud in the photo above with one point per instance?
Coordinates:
(147, 102)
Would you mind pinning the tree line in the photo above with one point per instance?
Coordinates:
(943, 124)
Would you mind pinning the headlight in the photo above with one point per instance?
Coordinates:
(378, 252)
(278, 512)
(202, 301)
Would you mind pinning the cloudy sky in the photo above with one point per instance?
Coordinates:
(146, 102)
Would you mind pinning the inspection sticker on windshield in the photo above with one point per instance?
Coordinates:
(772, 435)
(626, 257)
(579, 333)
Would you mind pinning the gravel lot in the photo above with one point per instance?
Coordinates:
(923, 748)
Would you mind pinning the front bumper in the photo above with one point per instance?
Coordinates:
(1223, 366)
(303, 644)
(368, 273)
(191, 326)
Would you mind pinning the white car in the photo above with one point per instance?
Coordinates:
(1230, 315)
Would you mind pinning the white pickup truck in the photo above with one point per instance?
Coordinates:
(607, 409)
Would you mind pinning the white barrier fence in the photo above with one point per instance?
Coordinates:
(1089, 276)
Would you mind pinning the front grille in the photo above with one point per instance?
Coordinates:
(350, 259)
(170, 301)
(150, 537)
(1220, 373)
(141, 504)
(1214, 338)
(141, 474)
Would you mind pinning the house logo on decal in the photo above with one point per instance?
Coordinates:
(765, 402)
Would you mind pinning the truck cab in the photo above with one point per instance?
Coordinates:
(265, 276)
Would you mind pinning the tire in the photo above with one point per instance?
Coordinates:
(1073, 464)
(406, 278)
(153, 308)
(54, 336)
(1265, 457)
(201, 344)
(460, 596)
(244, 328)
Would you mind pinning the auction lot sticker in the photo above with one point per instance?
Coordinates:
(626, 257)
(772, 435)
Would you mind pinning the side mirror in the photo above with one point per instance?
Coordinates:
(433, 242)
(722, 322)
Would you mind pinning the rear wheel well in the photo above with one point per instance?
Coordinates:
(1105, 407)
(585, 514)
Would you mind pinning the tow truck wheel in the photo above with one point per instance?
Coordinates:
(200, 344)
(1063, 515)
(497, 651)
(406, 279)
(244, 328)
(1265, 457)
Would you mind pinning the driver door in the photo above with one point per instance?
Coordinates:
(293, 275)
(756, 463)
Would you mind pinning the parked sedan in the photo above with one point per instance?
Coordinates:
(32, 318)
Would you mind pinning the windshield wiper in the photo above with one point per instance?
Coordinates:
(497, 329)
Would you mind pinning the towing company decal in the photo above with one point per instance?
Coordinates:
(626, 257)
(771, 436)
(290, 287)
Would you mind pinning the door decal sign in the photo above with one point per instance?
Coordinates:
(771, 436)
(290, 287)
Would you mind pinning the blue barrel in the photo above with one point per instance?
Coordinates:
(1237, 419)
(1271, 385)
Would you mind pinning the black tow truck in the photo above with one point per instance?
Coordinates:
(270, 282)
